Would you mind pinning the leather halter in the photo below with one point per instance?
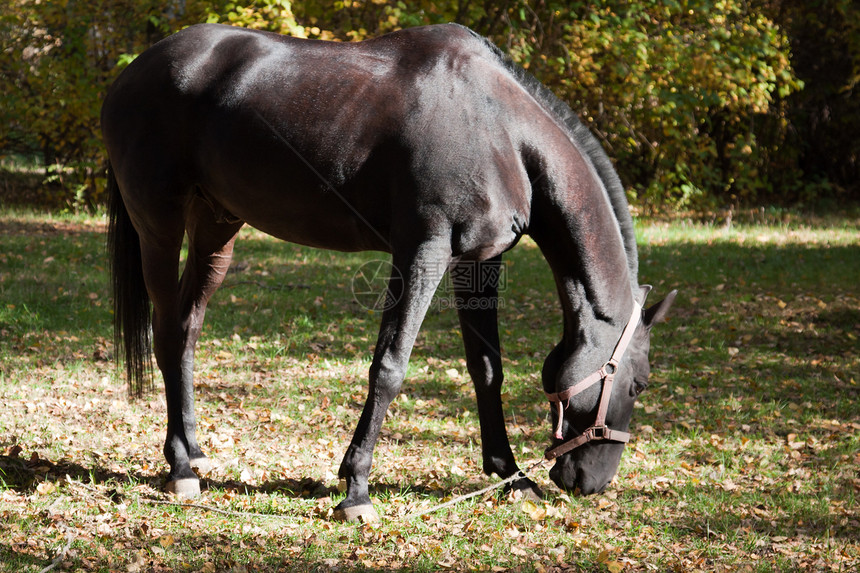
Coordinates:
(598, 430)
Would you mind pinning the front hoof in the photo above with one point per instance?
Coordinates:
(364, 513)
(525, 489)
(185, 488)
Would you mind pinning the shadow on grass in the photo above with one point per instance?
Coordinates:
(24, 476)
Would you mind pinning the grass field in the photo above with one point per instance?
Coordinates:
(745, 451)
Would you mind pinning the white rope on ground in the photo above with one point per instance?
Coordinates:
(435, 508)
(70, 537)
(216, 509)
(489, 488)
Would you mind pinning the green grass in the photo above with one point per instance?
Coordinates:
(744, 452)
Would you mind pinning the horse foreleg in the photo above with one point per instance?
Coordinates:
(477, 302)
(410, 299)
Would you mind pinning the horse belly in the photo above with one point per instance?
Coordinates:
(289, 188)
(323, 220)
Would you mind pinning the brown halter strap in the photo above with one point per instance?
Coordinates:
(598, 430)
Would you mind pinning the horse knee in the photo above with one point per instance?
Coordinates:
(386, 378)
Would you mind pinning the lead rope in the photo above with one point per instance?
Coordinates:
(519, 475)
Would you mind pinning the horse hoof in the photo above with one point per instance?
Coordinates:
(532, 494)
(365, 513)
(525, 490)
(185, 488)
(201, 466)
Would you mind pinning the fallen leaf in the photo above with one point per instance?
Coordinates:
(45, 488)
(535, 512)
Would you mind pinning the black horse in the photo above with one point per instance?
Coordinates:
(426, 143)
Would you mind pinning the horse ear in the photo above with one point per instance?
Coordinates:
(643, 293)
(658, 312)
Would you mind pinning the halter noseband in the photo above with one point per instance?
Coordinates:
(599, 430)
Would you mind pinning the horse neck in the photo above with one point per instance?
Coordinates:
(575, 227)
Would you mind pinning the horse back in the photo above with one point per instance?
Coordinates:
(411, 127)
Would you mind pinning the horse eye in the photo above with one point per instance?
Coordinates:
(639, 386)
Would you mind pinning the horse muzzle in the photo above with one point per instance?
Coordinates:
(580, 475)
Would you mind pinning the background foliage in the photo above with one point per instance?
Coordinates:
(701, 103)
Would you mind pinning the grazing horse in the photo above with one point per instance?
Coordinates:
(427, 143)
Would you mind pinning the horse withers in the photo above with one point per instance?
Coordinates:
(427, 143)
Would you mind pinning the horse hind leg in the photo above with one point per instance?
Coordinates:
(210, 250)
(179, 307)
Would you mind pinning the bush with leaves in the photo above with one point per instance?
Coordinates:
(696, 101)
(674, 89)
(57, 60)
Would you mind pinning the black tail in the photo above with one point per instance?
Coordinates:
(132, 317)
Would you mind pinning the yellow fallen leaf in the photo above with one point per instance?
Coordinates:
(535, 512)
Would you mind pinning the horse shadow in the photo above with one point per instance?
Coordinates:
(24, 475)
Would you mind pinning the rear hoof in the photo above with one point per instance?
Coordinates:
(185, 488)
(201, 466)
(365, 513)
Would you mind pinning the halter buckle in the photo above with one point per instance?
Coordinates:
(598, 432)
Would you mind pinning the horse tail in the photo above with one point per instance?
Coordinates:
(132, 318)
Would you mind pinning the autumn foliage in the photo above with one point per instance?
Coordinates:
(702, 103)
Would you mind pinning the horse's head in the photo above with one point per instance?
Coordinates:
(590, 424)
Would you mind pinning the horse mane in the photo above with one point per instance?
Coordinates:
(587, 143)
